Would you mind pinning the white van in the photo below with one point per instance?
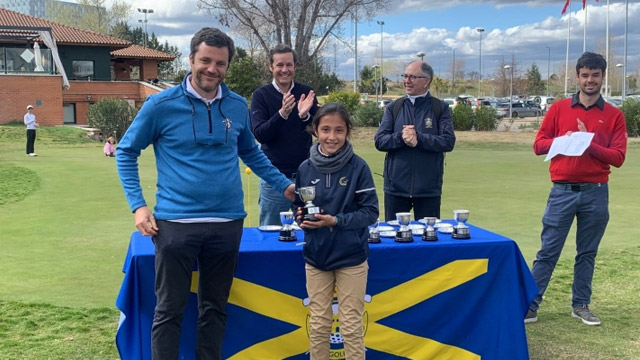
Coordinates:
(544, 102)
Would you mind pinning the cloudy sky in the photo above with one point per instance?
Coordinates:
(531, 31)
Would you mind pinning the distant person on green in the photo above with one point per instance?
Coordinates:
(30, 121)
(580, 184)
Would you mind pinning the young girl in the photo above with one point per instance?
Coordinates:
(109, 150)
(336, 247)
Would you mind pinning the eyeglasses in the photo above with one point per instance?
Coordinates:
(413, 77)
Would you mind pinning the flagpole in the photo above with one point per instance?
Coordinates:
(606, 74)
(584, 32)
(624, 68)
(566, 68)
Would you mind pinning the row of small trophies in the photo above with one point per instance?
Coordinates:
(404, 234)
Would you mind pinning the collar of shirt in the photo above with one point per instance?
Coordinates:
(576, 101)
(193, 92)
(413, 98)
(275, 85)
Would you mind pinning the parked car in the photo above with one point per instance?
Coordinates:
(543, 101)
(615, 101)
(519, 109)
(502, 110)
(384, 102)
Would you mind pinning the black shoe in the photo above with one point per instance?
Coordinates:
(531, 317)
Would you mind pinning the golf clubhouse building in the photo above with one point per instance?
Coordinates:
(62, 70)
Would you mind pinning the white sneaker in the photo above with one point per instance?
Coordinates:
(32, 154)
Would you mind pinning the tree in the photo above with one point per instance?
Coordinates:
(304, 25)
(94, 15)
(112, 116)
(535, 85)
(243, 75)
(369, 75)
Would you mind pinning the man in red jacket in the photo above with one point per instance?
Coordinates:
(579, 183)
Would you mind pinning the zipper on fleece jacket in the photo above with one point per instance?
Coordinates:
(210, 120)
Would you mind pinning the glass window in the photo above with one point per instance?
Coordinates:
(82, 69)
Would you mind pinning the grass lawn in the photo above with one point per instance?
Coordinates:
(65, 227)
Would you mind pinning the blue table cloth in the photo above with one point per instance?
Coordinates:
(449, 299)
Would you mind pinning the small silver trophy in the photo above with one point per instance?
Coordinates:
(287, 233)
(430, 233)
(461, 230)
(374, 233)
(308, 194)
(404, 234)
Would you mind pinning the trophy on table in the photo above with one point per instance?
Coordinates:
(374, 233)
(404, 234)
(461, 230)
(308, 194)
(430, 233)
(287, 233)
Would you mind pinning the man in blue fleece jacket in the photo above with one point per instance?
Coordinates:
(280, 113)
(198, 130)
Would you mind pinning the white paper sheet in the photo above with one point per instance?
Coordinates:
(571, 145)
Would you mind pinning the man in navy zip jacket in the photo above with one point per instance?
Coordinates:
(415, 143)
(198, 130)
(280, 113)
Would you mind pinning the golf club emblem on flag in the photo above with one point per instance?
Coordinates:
(336, 340)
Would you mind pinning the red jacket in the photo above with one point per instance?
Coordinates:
(608, 147)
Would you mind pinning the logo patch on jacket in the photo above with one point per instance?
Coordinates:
(315, 181)
(343, 181)
(428, 123)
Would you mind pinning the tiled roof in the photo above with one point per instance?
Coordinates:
(64, 34)
(138, 52)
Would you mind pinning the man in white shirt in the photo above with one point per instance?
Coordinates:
(30, 121)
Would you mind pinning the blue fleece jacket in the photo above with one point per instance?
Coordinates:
(196, 153)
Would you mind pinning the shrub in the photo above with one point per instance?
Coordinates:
(631, 110)
(350, 100)
(463, 117)
(486, 119)
(112, 116)
(369, 114)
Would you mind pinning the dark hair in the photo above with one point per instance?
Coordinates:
(328, 109)
(212, 37)
(282, 49)
(591, 61)
(425, 68)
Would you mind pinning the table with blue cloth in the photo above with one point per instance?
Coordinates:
(448, 299)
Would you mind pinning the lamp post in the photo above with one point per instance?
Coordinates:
(145, 12)
(621, 67)
(548, 68)
(508, 67)
(480, 31)
(381, 23)
(453, 73)
(421, 55)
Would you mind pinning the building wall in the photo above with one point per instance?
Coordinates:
(43, 92)
(99, 55)
(85, 93)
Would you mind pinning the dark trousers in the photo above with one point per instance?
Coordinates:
(215, 246)
(31, 140)
(422, 206)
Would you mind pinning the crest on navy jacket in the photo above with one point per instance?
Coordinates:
(428, 123)
(343, 181)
